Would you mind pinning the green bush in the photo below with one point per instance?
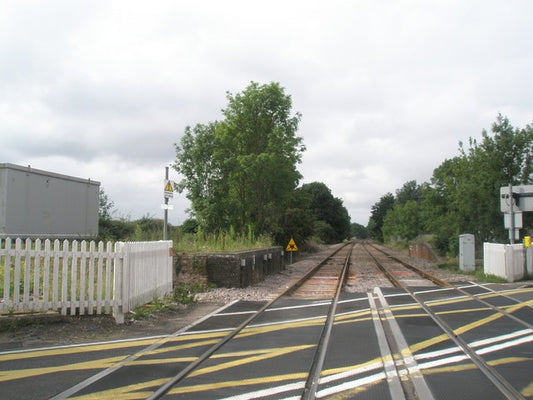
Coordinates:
(184, 292)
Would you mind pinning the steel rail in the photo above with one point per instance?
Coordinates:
(422, 273)
(395, 282)
(165, 388)
(442, 283)
(509, 391)
(313, 377)
(102, 374)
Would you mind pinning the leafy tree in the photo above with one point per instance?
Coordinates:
(298, 220)
(105, 206)
(402, 222)
(463, 195)
(240, 172)
(332, 219)
(109, 229)
(497, 160)
(359, 231)
(203, 173)
(377, 216)
(437, 213)
(409, 191)
(190, 225)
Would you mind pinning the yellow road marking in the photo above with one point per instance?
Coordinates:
(240, 383)
(528, 390)
(75, 350)
(31, 372)
(251, 356)
(106, 346)
(271, 353)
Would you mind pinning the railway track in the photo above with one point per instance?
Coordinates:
(413, 386)
(324, 282)
(400, 273)
(315, 340)
(319, 281)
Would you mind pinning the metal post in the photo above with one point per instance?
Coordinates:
(511, 224)
(165, 220)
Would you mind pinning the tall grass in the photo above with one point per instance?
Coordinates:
(199, 242)
(225, 241)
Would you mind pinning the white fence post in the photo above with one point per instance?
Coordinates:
(119, 292)
(74, 278)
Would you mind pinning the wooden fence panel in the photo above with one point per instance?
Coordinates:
(82, 278)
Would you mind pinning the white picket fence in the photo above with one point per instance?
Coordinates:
(82, 277)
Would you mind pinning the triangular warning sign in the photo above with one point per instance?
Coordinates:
(291, 246)
(168, 187)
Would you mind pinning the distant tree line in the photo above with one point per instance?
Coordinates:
(109, 228)
(463, 193)
(240, 175)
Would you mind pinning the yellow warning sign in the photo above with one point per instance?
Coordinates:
(168, 190)
(291, 246)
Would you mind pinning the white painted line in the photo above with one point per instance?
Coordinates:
(501, 338)
(395, 387)
(418, 380)
(351, 385)
(351, 372)
(463, 357)
(506, 345)
(434, 290)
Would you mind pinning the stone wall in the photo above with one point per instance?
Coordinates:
(242, 269)
(422, 250)
(190, 268)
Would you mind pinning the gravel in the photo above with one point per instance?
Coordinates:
(365, 278)
(59, 330)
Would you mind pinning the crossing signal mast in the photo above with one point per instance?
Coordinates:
(515, 200)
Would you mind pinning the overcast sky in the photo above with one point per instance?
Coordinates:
(386, 89)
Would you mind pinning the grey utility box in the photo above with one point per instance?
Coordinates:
(42, 204)
(467, 252)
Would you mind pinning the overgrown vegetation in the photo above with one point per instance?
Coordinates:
(184, 293)
(462, 195)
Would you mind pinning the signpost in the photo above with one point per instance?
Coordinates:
(168, 192)
(291, 247)
(514, 200)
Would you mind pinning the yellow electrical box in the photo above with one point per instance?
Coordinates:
(527, 241)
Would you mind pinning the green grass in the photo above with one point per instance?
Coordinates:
(453, 266)
(206, 243)
(184, 293)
